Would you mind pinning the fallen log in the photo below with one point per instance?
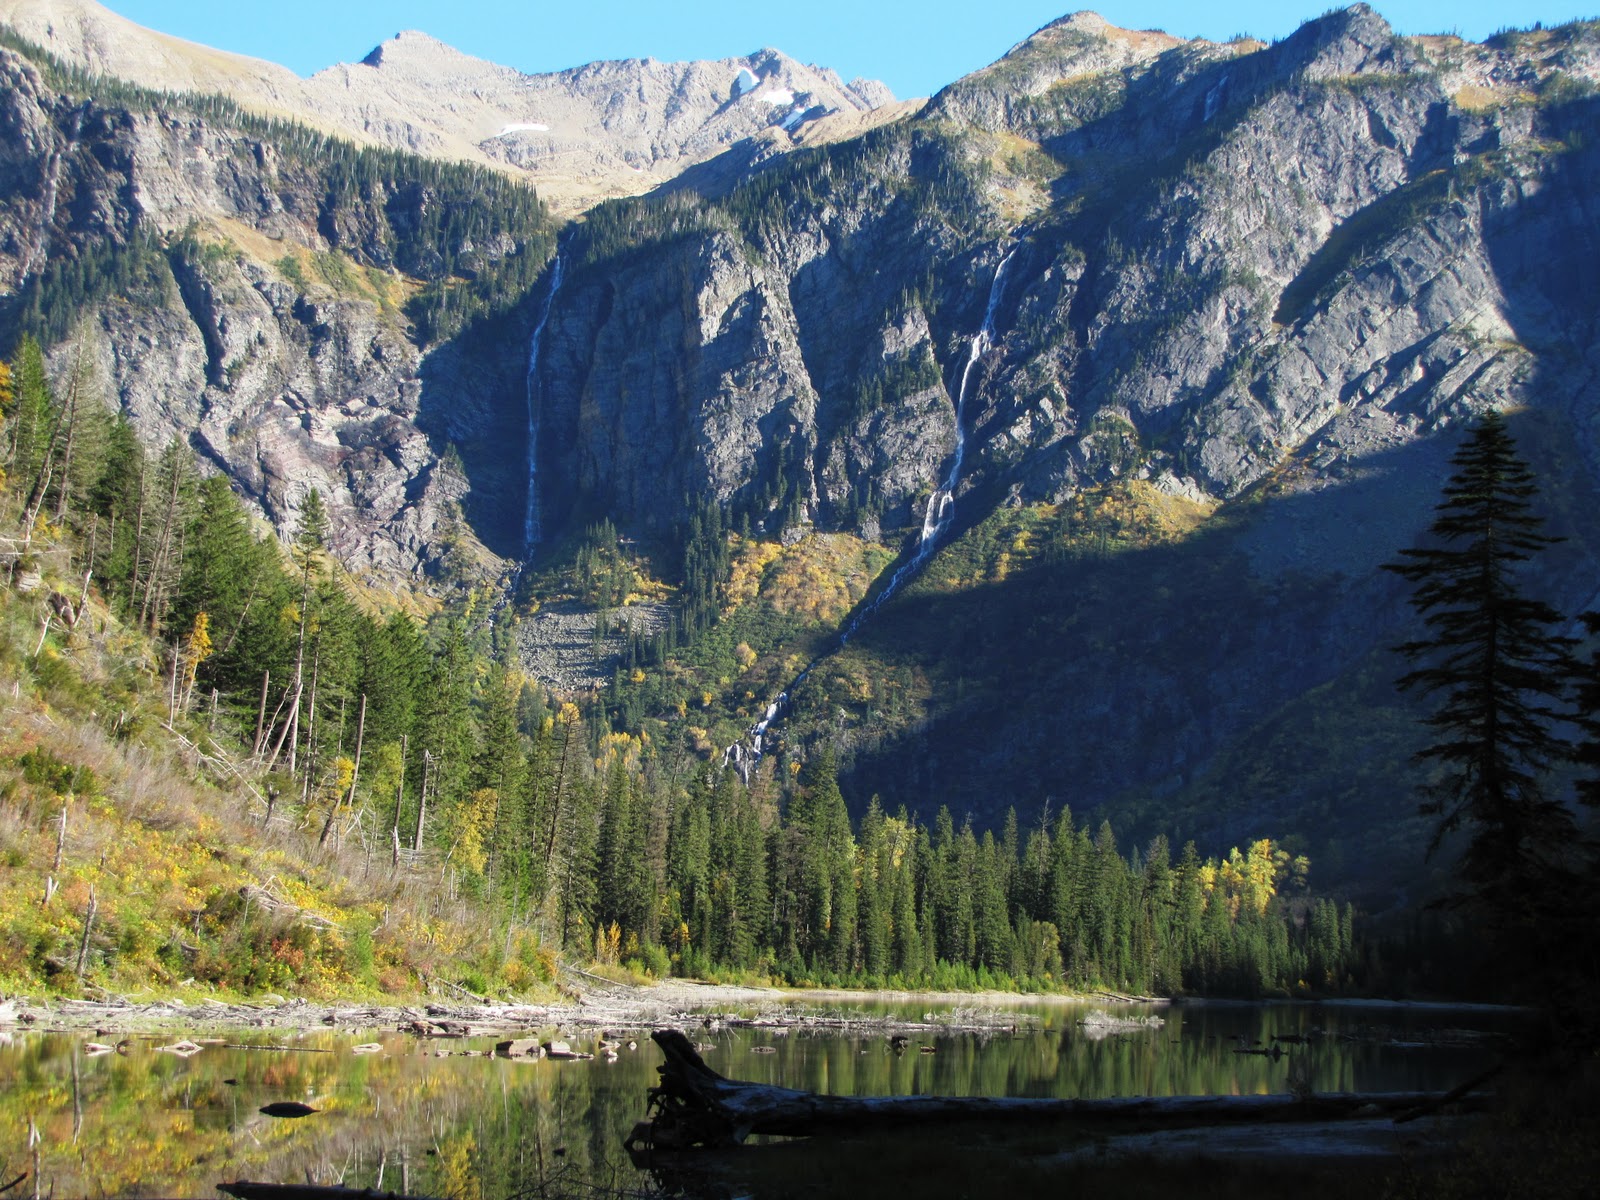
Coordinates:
(695, 1106)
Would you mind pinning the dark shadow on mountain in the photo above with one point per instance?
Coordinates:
(717, 177)
(1239, 684)
(1230, 686)
(473, 407)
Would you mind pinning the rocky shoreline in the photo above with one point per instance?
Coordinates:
(673, 1004)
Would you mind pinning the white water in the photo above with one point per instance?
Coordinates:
(935, 522)
(942, 504)
(531, 529)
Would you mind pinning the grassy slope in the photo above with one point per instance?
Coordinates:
(166, 852)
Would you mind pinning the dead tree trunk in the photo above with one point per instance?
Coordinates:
(694, 1106)
(399, 798)
(261, 715)
(422, 801)
(88, 930)
(355, 773)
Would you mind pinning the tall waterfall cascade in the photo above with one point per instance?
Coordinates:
(532, 530)
(746, 753)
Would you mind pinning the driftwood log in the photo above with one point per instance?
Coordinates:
(695, 1106)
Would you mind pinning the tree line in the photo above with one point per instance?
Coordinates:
(421, 741)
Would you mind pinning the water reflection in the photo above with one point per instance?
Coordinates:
(445, 1118)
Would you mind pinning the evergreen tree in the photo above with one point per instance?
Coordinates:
(32, 413)
(1494, 661)
(909, 959)
(876, 895)
(992, 933)
(1586, 678)
(1033, 874)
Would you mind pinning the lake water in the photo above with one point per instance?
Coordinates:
(422, 1116)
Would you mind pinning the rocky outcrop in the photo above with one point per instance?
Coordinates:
(793, 376)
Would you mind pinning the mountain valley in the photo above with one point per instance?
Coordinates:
(1251, 291)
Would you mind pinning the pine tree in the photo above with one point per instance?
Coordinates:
(224, 573)
(1586, 678)
(160, 575)
(1497, 666)
(877, 899)
(32, 412)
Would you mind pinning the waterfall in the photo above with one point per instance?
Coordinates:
(942, 504)
(935, 522)
(531, 529)
(52, 190)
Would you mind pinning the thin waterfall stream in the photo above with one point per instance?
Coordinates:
(532, 529)
(41, 248)
(935, 523)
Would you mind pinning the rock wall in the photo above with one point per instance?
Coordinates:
(1231, 256)
(261, 327)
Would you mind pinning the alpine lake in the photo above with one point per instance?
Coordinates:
(448, 1118)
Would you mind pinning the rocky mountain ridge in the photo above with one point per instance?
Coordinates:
(1262, 283)
(266, 296)
(1225, 253)
(1268, 282)
(581, 135)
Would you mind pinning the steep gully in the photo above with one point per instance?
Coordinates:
(745, 754)
(41, 248)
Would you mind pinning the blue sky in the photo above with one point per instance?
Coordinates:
(915, 46)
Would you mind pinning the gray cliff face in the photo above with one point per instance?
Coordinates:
(1278, 276)
(794, 369)
(1234, 255)
(1228, 258)
(282, 362)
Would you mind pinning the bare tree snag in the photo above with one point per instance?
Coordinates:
(88, 928)
(61, 839)
(261, 716)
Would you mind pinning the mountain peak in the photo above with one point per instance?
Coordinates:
(1347, 41)
(418, 53)
(91, 36)
(1084, 19)
(1087, 24)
